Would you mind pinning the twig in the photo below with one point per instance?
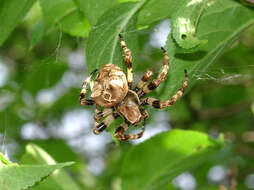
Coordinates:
(232, 173)
(222, 187)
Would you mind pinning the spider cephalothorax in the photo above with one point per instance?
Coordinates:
(112, 92)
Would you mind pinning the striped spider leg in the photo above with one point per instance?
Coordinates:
(156, 82)
(146, 77)
(119, 133)
(163, 104)
(128, 61)
(109, 115)
(83, 101)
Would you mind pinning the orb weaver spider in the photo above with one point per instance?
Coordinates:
(112, 91)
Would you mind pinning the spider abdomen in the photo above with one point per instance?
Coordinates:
(129, 108)
(110, 86)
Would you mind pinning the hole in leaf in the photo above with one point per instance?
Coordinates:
(184, 36)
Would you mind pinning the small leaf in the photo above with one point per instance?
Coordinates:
(17, 177)
(103, 43)
(53, 11)
(157, 10)
(94, 9)
(153, 164)
(48, 75)
(37, 33)
(220, 33)
(3, 160)
(75, 24)
(35, 155)
(64, 153)
(185, 22)
(11, 13)
(63, 13)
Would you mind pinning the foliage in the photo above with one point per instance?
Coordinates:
(17, 177)
(12, 12)
(178, 150)
(212, 39)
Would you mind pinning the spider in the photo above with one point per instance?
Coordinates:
(112, 91)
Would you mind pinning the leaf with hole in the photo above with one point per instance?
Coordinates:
(185, 21)
(220, 33)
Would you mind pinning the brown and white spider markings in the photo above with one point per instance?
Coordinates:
(113, 92)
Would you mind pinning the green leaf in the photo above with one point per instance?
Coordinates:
(37, 33)
(75, 24)
(35, 155)
(64, 152)
(185, 22)
(157, 10)
(122, 1)
(103, 44)
(48, 74)
(33, 16)
(11, 13)
(3, 160)
(219, 32)
(53, 11)
(61, 13)
(17, 177)
(153, 164)
(94, 9)
(10, 118)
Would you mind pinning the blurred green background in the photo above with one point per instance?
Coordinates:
(42, 67)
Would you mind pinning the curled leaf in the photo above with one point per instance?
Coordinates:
(220, 35)
(185, 22)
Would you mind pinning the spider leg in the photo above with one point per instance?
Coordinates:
(101, 126)
(144, 113)
(128, 61)
(82, 100)
(158, 104)
(101, 114)
(147, 76)
(161, 77)
(119, 133)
